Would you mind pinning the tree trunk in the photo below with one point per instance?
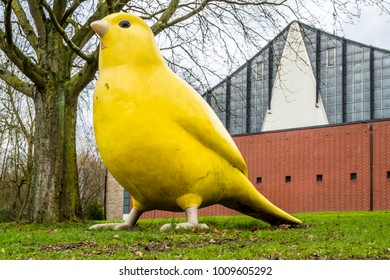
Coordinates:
(54, 194)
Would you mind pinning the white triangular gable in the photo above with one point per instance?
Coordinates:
(293, 102)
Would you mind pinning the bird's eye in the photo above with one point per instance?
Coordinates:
(124, 24)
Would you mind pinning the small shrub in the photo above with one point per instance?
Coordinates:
(94, 211)
(5, 215)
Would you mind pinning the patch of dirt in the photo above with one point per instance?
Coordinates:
(70, 246)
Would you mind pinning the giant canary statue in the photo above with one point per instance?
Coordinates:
(160, 139)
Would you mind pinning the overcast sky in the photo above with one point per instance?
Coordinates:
(371, 28)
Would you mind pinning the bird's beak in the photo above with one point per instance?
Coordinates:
(100, 27)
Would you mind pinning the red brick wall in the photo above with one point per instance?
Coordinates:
(333, 152)
(381, 133)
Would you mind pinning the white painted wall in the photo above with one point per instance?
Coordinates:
(293, 102)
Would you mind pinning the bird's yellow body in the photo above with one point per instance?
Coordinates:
(159, 138)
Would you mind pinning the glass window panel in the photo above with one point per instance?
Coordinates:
(366, 85)
(339, 80)
(378, 73)
(386, 113)
(339, 90)
(386, 93)
(339, 69)
(331, 54)
(386, 72)
(331, 100)
(348, 108)
(349, 48)
(377, 114)
(349, 79)
(331, 81)
(366, 66)
(386, 61)
(358, 87)
(357, 49)
(358, 57)
(358, 97)
(331, 71)
(386, 82)
(366, 55)
(377, 63)
(259, 70)
(126, 202)
(357, 116)
(378, 104)
(366, 95)
(366, 105)
(330, 110)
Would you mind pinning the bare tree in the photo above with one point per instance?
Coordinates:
(55, 71)
(60, 60)
(16, 152)
(91, 170)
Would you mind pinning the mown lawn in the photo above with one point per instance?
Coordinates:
(341, 235)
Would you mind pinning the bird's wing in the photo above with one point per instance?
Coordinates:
(199, 120)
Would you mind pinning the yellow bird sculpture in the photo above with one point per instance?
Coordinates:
(159, 138)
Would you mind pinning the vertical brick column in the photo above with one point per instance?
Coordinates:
(114, 204)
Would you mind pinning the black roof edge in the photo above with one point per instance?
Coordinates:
(280, 34)
(311, 127)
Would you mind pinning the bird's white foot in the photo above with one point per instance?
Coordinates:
(192, 221)
(129, 223)
(165, 227)
(104, 226)
(123, 226)
(189, 225)
(114, 226)
(185, 225)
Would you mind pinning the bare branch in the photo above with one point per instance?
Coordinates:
(63, 34)
(120, 4)
(39, 19)
(85, 32)
(15, 111)
(169, 12)
(7, 22)
(59, 7)
(110, 6)
(252, 3)
(70, 11)
(161, 25)
(82, 78)
(28, 30)
(24, 63)
(15, 82)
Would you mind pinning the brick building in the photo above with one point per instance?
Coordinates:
(311, 115)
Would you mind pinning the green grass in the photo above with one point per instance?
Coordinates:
(341, 235)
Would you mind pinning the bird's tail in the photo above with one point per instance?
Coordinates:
(249, 201)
